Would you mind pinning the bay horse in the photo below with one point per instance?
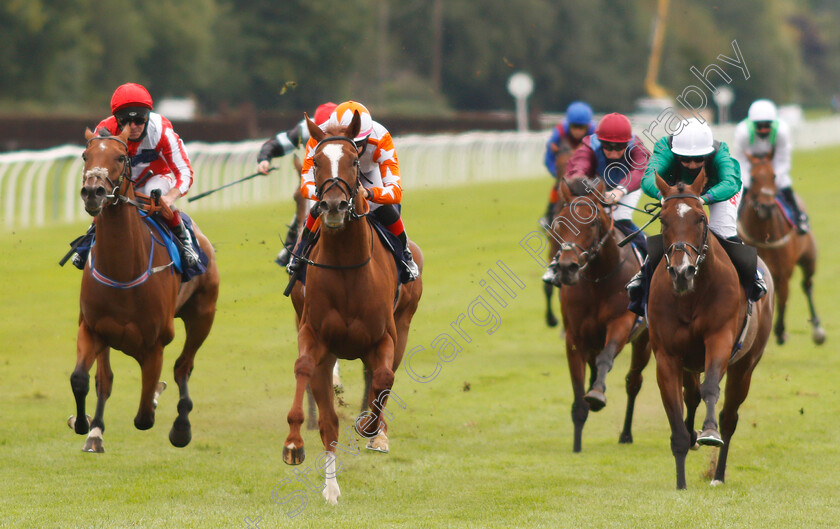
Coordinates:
(696, 312)
(130, 295)
(351, 307)
(594, 270)
(762, 224)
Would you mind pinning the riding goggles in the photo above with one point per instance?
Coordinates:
(136, 115)
(613, 146)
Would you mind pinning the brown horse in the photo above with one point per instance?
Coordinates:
(349, 309)
(762, 224)
(130, 296)
(594, 270)
(696, 312)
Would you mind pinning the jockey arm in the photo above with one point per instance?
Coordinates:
(582, 162)
(782, 153)
(171, 149)
(552, 148)
(281, 144)
(385, 157)
(729, 177)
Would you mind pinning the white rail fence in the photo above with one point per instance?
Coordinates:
(42, 187)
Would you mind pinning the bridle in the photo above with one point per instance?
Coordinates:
(350, 191)
(700, 252)
(586, 255)
(117, 192)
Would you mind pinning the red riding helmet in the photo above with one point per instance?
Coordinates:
(614, 127)
(130, 95)
(322, 113)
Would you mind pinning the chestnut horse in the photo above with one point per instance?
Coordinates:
(130, 296)
(762, 224)
(594, 270)
(696, 313)
(347, 309)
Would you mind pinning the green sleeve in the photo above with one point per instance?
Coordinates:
(729, 176)
(660, 162)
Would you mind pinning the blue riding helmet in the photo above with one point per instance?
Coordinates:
(579, 113)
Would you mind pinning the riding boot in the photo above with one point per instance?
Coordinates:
(81, 248)
(799, 216)
(748, 273)
(639, 285)
(411, 271)
(627, 227)
(302, 250)
(188, 253)
(291, 236)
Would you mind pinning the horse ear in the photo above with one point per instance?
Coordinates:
(699, 183)
(124, 134)
(89, 134)
(662, 185)
(564, 191)
(314, 130)
(355, 125)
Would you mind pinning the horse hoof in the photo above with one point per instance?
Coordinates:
(180, 434)
(94, 442)
(80, 428)
(710, 438)
(781, 338)
(293, 455)
(818, 335)
(625, 439)
(379, 443)
(596, 400)
(716, 483)
(144, 423)
(551, 320)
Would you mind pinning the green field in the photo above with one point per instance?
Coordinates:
(488, 443)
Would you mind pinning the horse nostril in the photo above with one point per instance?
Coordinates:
(100, 191)
(342, 206)
(322, 206)
(691, 271)
(84, 193)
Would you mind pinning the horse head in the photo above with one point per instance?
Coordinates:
(582, 226)
(685, 229)
(106, 168)
(763, 190)
(335, 159)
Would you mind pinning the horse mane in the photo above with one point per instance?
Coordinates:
(681, 187)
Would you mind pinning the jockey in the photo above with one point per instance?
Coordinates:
(158, 158)
(380, 180)
(679, 158)
(617, 157)
(565, 138)
(281, 145)
(762, 133)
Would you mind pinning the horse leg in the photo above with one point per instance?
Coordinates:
(371, 424)
(323, 393)
(312, 416)
(104, 383)
(293, 450)
(691, 396)
(717, 353)
(633, 383)
(738, 380)
(88, 347)
(617, 334)
(782, 290)
(669, 375)
(367, 374)
(808, 262)
(550, 318)
(150, 367)
(580, 408)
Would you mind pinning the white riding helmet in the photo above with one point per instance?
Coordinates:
(695, 139)
(762, 110)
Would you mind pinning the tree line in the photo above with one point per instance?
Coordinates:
(422, 57)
